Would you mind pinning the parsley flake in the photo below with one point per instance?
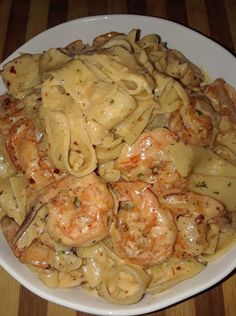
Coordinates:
(201, 184)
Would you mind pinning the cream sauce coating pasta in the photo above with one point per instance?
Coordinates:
(117, 166)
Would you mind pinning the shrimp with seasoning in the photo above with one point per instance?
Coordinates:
(80, 210)
(143, 232)
(45, 257)
(22, 148)
(37, 254)
(195, 124)
(194, 214)
(148, 159)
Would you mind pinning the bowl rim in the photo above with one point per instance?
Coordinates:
(117, 16)
(134, 310)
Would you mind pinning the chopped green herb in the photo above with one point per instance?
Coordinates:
(216, 192)
(60, 158)
(201, 184)
(229, 184)
(112, 101)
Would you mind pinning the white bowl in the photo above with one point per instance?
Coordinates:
(218, 62)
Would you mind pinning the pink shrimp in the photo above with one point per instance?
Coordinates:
(143, 232)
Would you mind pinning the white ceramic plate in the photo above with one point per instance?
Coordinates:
(207, 54)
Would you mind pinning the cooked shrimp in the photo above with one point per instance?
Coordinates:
(143, 232)
(167, 180)
(148, 159)
(193, 213)
(22, 147)
(49, 256)
(10, 112)
(195, 124)
(79, 210)
(43, 252)
(151, 148)
(36, 254)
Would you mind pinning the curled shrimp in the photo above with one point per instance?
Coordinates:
(22, 148)
(79, 210)
(151, 148)
(43, 252)
(143, 232)
(148, 159)
(194, 214)
(37, 254)
(195, 124)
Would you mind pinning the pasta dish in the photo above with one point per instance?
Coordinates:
(117, 166)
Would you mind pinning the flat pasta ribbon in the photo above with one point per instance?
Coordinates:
(69, 146)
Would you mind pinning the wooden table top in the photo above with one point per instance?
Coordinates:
(20, 20)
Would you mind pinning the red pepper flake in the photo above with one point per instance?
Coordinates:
(1, 192)
(57, 171)
(31, 181)
(200, 219)
(39, 99)
(178, 268)
(12, 70)
(8, 83)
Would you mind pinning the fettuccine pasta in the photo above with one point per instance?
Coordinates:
(117, 166)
